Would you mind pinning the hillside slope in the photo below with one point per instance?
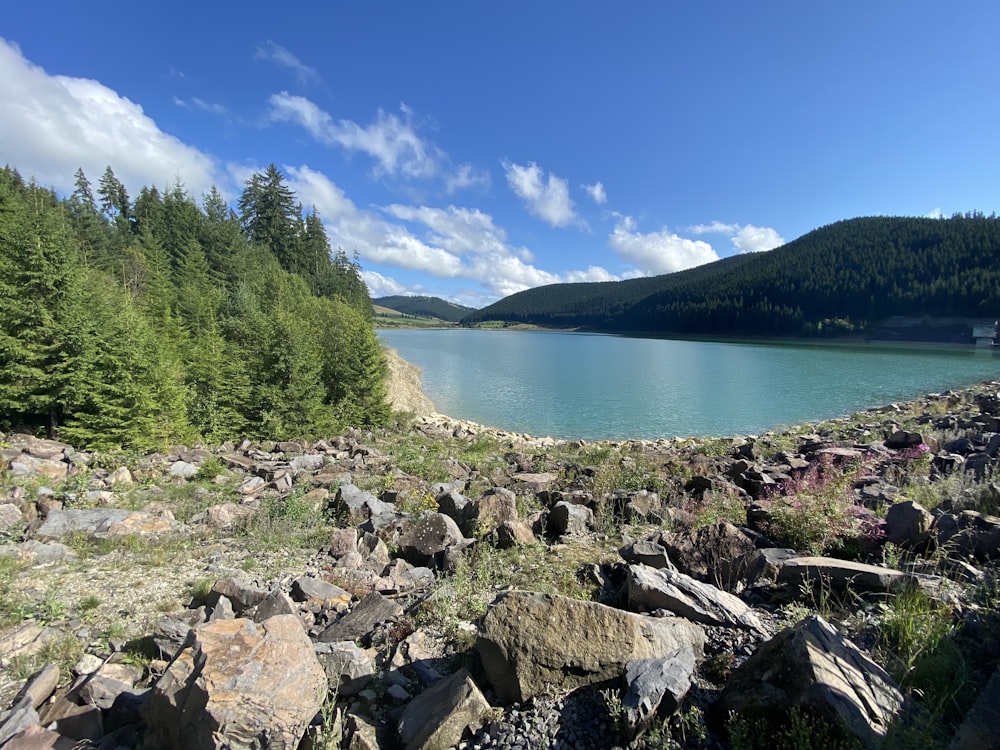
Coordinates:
(425, 307)
(841, 279)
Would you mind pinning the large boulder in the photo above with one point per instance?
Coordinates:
(659, 588)
(908, 524)
(237, 685)
(842, 574)
(428, 536)
(532, 643)
(439, 717)
(812, 668)
(707, 553)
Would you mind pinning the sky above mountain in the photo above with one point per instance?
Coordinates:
(471, 150)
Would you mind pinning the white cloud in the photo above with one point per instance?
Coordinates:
(593, 273)
(466, 176)
(391, 140)
(194, 103)
(52, 125)
(277, 54)
(751, 239)
(316, 189)
(547, 199)
(659, 252)
(746, 238)
(383, 286)
(596, 192)
(936, 213)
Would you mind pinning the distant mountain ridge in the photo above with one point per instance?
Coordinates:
(425, 307)
(842, 279)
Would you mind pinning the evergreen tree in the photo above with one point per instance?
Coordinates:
(270, 217)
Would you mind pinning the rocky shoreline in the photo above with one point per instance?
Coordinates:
(449, 585)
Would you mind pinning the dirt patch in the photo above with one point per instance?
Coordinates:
(405, 385)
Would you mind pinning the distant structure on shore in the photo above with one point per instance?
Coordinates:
(985, 335)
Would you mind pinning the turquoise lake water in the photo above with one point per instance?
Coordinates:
(593, 386)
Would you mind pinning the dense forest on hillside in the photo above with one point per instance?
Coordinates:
(425, 307)
(142, 322)
(838, 280)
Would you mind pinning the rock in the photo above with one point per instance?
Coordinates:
(357, 506)
(315, 591)
(25, 465)
(842, 574)
(348, 668)
(646, 552)
(362, 619)
(901, 440)
(237, 685)
(36, 737)
(568, 518)
(429, 535)
(443, 714)
(102, 523)
(706, 553)
(531, 643)
(760, 565)
(275, 603)
(969, 533)
(908, 524)
(979, 730)
(811, 668)
(533, 482)
(497, 506)
(654, 683)
(182, 470)
(104, 686)
(514, 534)
(10, 516)
(224, 515)
(651, 589)
(241, 594)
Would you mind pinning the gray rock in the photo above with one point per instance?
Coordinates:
(428, 535)
(101, 523)
(655, 684)
(908, 524)
(514, 534)
(362, 619)
(275, 603)
(532, 643)
(706, 553)
(182, 470)
(348, 668)
(969, 533)
(104, 686)
(10, 516)
(316, 591)
(356, 505)
(242, 594)
(842, 574)
(568, 518)
(979, 730)
(652, 589)
(760, 565)
(901, 440)
(646, 552)
(810, 667)
(237, 685)
(443, 714)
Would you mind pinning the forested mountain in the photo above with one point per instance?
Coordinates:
(841, 279)
(425, 307)
(155, 320)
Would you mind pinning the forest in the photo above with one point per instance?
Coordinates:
(155, 320)
(840, 280)
(425, 307)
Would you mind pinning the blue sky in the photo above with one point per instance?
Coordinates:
(470, 150)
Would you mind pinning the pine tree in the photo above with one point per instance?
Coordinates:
(270, 217)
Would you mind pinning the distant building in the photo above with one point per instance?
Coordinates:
(985, 334)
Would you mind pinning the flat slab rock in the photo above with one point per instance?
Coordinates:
(841, 574)
(102, 522)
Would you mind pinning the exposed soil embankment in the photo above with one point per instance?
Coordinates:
(406, 391)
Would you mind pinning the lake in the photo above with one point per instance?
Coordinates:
(596, 386)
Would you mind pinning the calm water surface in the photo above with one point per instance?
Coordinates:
(593, 386)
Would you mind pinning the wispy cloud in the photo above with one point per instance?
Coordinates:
(275, 53)
(658, 252)
(596, 192)
(545, 197)
(56, 124)
(746, 238)
(194, 103)
(392, 140)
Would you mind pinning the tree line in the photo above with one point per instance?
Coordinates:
(141, 322)
(842, 279)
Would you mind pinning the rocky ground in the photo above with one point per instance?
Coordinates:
(442, 584)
